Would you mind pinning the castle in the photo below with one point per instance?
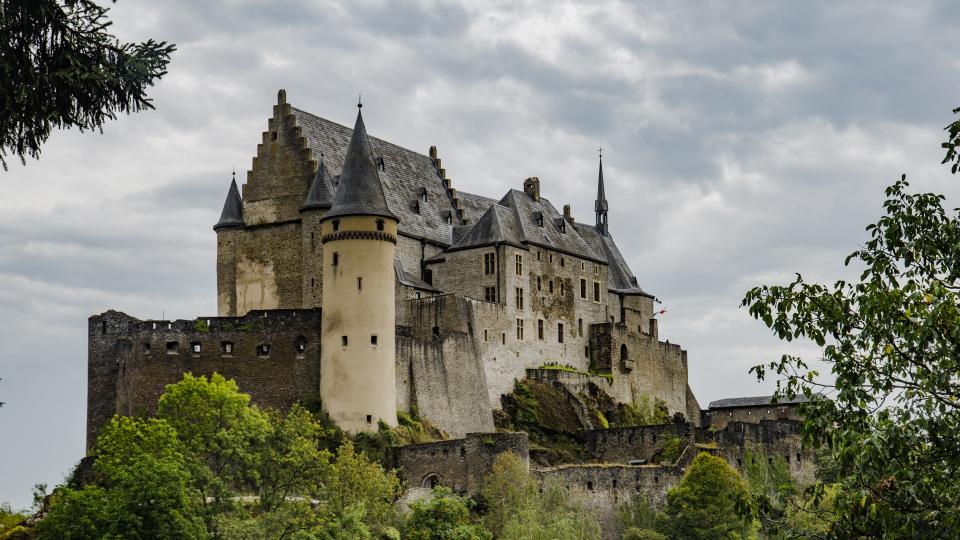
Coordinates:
(350, 270)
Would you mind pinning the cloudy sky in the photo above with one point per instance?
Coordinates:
(743, 142)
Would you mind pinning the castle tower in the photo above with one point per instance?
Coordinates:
(600, 205)
(228, 231)
(358, 321)
(319, 200)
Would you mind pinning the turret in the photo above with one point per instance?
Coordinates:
(600, 205)
(319, 200)
(228, 236)
(358, 322)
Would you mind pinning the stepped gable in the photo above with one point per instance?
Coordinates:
(549, 235)
(621, 279)
(404, 174)
(497, 225)
(321, 191)
(232, 214)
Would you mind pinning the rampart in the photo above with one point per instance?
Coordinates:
(273, 355)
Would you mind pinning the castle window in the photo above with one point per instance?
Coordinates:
(469, 328)
(369, 418)
(798, 457)
(423, 194)
(463, 451)
(336, 225)
(273, 135)
(103, 327)
(379, 224)
(563, 262)
(416, 207)
(586, 351)
(550, 286)
(623, 354)
(503, 338)
(311, 283)
(490, 294)
(484, 334)
(596, 291)
(580, 327)
(519, 265)
(563, 288)
(359, 283)
(263, 350)
(559, 332)
(436, 332)
(373, 340)
(343, 341)
(582, 266)
(173, 347)
(430, 481)
(520, 329)
(539, 284)
(226, 347)
(590, 486)
(596, 269)
(551, 258)
(300, 345)
(336, 258)
(614, 483)
(539, 328)
(382, 165)
(538, 216)
(583, 289)
(519, 298)
(195, 347)
(539, 253)
(739, 463)
(489, 263)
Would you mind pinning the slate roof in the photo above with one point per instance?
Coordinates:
(620, 278)
(404, 175)
(758, 401)
(497, 225)
(549, 235)
(232, 214)
(359, 192)
(321, 190)
(410, 280)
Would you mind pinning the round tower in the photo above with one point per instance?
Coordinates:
(358, 320)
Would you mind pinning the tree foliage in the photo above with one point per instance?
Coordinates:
(60, 67)
(891, 415)
(704, 505)
(443, 516)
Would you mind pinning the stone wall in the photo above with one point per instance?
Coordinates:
(719, 418)
(131, 361)
(621, 445)
(459, 464)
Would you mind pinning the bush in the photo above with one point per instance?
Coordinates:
(443, 516)
(705, 504)
(634, 533)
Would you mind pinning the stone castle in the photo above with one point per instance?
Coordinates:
(350, 270)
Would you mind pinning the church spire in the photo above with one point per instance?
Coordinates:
(232, 214)
(601, 205)
(360, 192)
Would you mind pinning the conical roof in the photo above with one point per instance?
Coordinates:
(360, 192)
(601, 203)
(321, 191)
(232, 214)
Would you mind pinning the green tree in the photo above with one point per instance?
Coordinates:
(704, 505)
(61, 68)
(221, 432)
(890, 416)
(142, 489)
(516, 509)
(633, 533)
(637, 514)
(442, 516)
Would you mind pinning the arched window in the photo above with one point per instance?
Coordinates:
(431, 481)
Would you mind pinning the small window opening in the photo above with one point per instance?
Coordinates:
(382, 165)
(336, 225)
(503, 338)
(300, 345)
(484, 334)
(559, 332)
(563, 262)
(226, 347)
(656, 479)
(580, 327)
(589, 486)
(359, 283)
(463, 451)
(739, 463)
(373, 340)
(103, 327)
(379, 224)
(369, 418)
(173, 347)
(146, 347)
(343, 341)
(273, 135)
(614, 484)
(336, 258)
(436, 332)
(195, 347)
(263, 350)
(311, 283)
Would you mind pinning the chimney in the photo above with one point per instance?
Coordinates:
(531, 186)
(281, 96)
(566, 213)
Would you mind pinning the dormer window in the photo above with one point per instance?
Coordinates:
(381, 164)
(416, 207)
(423, 194)
(538, 217)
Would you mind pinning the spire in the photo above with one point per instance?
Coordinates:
(600, 205)
(232, 214)
(360, 191)
(321, 191)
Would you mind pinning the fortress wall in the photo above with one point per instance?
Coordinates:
(135, 360)
(603, 488)
(438, 365)
(719, 418)
(311, 259)
(621, 445)
(459, 464)
(653, 369)
(268, 268)
(773, 437)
